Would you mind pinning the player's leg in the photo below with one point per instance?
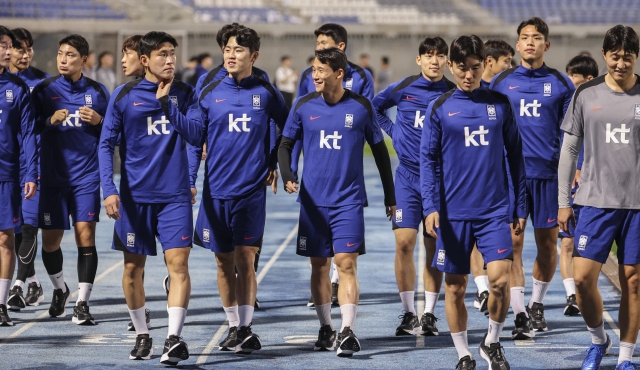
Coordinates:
(7, 265)
(455, 287)
(321, 292)
(175, 349)
(134, 294)
(27, 252)
(255, 267)
(432, 284)
(522, 329)
(482, 281)
(405, 270)
(348, 296)
(16, 300)
(566, 270)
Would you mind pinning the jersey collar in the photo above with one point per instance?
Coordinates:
(81, 83)
(531, 72)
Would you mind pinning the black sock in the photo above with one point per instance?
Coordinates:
(27, 252)
(52, 261)
(17, 240)
(87, 264)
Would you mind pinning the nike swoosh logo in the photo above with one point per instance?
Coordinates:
(314, 118)
(26, 260)
(596, 108)
(513, 87)
(135, 104)
(453, 114)
(351, 244)
(551, 220)
(185, 237)
(91, 214)
(16, 219)
(220, 100)
(249, 237)
(56, 97)
(502, 250)
(410, 98)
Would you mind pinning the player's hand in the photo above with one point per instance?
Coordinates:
(204, 151)
(432, 222)
(194, 191)
(576, 182)
(518, 225)
(89, 115)
(112, 206)
(59, 116)
(274, 183)
(291, 187)
(390, 211)
(29, 189)
(163, 88)
(566, 216)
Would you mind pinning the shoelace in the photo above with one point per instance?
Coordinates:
(404, 314)
(496, 353)
(431, 317)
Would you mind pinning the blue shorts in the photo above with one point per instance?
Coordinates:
(598, 228)
(81, 202)
(10, 204)
(30, 210)
(141, 223)
(456, 240)
(542, 202)
(325, 231)
(408, 202)
(223, 224)
(572, 229)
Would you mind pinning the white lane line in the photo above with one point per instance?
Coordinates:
(216, 337)
(421, 262)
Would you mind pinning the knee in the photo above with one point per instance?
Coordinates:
(346, 266)
(499, 286)
(178, 266)
(456, 290)
(583, 282)
(132, 272)
(404, 245)
(633, 283)
(244, 259)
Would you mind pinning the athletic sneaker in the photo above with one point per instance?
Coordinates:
(16, 300)
(493, 355)
(247, 341)
(410, 324)
(175, 350)
(536, 313)
(58, 301)
(348, 343)
(595, 353)
(81, 315)
(256, 304)
(143, 348)
(466, 363)
(231, 341)
(334, 294)
(481, 302)
(165, 284)
(428, 324)
(326, 339)
(571, 309)
(522, 330)
(628, 365)
(310, 303)
(147, 315)
(35, 295)
(5, 320)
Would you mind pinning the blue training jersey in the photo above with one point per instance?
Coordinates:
(153, 145)
(333, 137)
(540, 98)
(16, 130)
(242, 123)
(412, 96)
(221, 72)
(69, 151)
(466, 135)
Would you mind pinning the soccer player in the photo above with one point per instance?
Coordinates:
(131, 65)
(239, 115)
(148, 114)
(334, 123)
(580, 69)
(466, 135)
(27, 242)
(604, 114)
(69, 114)
(540, 96)
(412, 96)
(16, 132)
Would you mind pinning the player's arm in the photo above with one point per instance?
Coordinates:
(291, 133)
(109, 137)
(367, 90)
(576, 178)
(515, 159)
(27, 124)
(373, 135)
(44, 120)
(194, 152)
(430, 153)
(189, 126)
(95, 117)
(381, 103)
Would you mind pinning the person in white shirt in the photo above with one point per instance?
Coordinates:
(286, 80)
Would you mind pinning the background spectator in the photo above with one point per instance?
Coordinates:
(364, 63)
(385, 75)
(89, 69)
(105, 74)
(286, 80)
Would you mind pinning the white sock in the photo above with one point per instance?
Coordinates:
(324, 314)
(462, 344)
(139, 320)
(84, 292)
(33, 279)
(539, 292)
(19, 283)
(348, 312)
(4, 290)
(430, 300)
(517, 300)
(407, 301)
(493, 334)
(482, 282)
(176, 320)
(569, 286)
(626, 352)
(246, 315)
(232, 315)
(335, 278)
(58, 281)
(598, 335)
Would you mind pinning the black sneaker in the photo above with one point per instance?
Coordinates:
(231, 341)
(58, 301)
(536, 313)
(482, 299)
(35, 295)
(16, 301)
(310, 303)
(493, 355)
(348, 343)
(166, 283)
(571, 309)
(147, 315)
(334, 294)
(143, 349)
(466, 363)
(428, 323)
(247, 341)
(256, 304)
(81, 315)
(522, 331)
(175, 350)
(410, 325)
(326, 339)
(5, 320)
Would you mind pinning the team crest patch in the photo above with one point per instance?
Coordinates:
(174, 100)
(491, 112)
(441, 256)
(256, 101)
(88, 100)
(636, 111)
(303, 243)
(131, 239)
(398, 215)
(547, 89)
(582, 242)
(206, 235)
(348, 83)
(47, 219)
(9, 95)
(31, 89)
(348, 121)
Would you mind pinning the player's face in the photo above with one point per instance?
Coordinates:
(620, 65)
(531, 44)
(69, 61)
(161, 62)
(238, 58)
(468, 74)
(432, 64)
(5, 51)
(578, 79)
(131, 65)
(21, 57)
(325, 42)
(324, 78)
(503, 63)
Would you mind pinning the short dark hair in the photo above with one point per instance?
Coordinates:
(335, 31)
(466, 46)
(222, 31)
(202, 57)
(22, 35)
(4, 31)
(364, 55)
(103, 54)
(334, 57)
(284, 57)
(497, 49)
(245, 36)
(77, 42)
(621, 37)
(152, 41)
(385, 60)
(311, 59)
(583, 65)
(433, 44)
(132, 43)
(538, 23)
